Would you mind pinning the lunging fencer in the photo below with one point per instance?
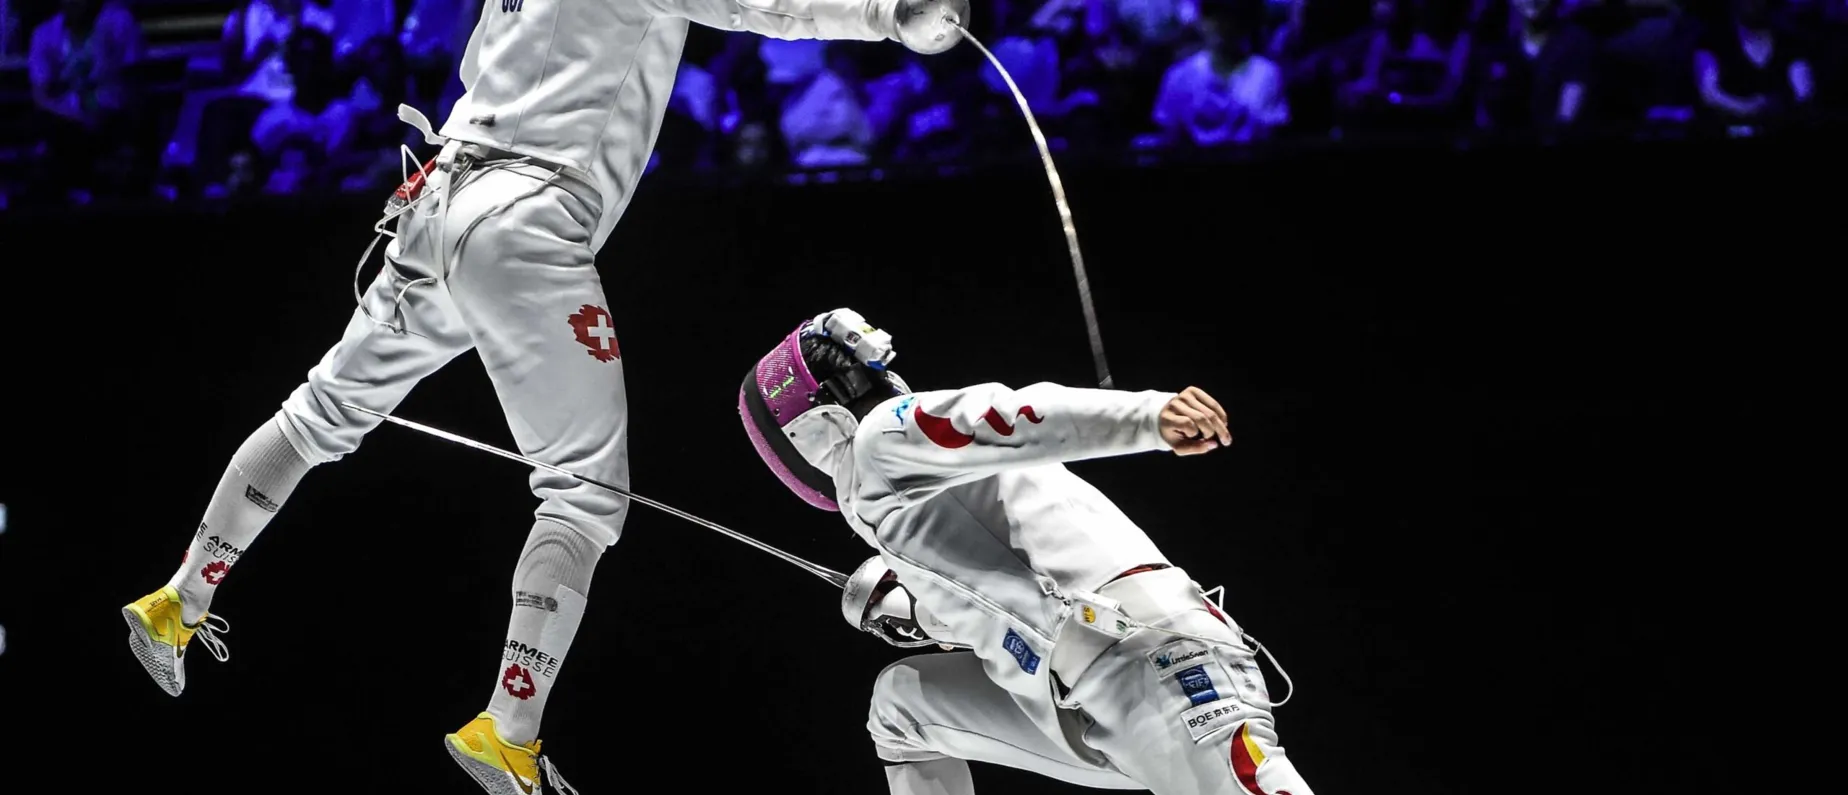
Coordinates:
(494, 250)
(1090, 658)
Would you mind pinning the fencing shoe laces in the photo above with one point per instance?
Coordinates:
(501, 767)
(159, 638)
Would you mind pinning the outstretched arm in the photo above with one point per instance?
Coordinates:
(932, 439)
(918, 24)
(862, 20)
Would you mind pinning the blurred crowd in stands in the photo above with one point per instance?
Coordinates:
(185, 98)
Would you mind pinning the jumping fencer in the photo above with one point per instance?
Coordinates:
(1090, 658)
(494, 249)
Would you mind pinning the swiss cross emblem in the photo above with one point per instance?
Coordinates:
(596, 332)
(518, 683)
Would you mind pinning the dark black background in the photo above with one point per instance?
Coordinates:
(1491, 430)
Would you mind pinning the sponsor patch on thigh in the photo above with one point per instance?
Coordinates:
(1172, 658)
(1211, 717)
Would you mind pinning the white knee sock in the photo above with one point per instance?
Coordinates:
(936, 777)
(549, 586)
(262, 474)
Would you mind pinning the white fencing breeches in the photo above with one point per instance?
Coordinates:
(521, 288)
(1199, 725)
(932, 711)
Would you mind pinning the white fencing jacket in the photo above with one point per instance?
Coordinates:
(583, 84)
(964, 494)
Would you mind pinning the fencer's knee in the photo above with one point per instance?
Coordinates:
(556, 555)
(601, 526)
(320, 428)
(894, 729)
(314, 437)
(593, 512)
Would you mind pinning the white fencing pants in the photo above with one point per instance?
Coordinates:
(1170, 715)
(521, 288)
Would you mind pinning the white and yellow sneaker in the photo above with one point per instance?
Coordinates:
(159, 638)
(501, 767)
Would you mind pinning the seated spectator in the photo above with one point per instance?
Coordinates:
(690, 126)
(1321, 45)
(1643, 74)
(358, 22)
(254, 39)
(79, 86)
(790, 63)
(303, 140)
(433, 36)
(380, 77)
(1225, 93)
(748, 144)
(429, 30)
(1413, 70)
(1151, 24)
(250, 64)
(939, 127)
(1749, 69)
(1533, 77)
(824, 121)
(1029, 52)
(895, 86)
(1034, 50)
(375, 160)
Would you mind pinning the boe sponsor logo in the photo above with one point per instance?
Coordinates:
(1204, 720)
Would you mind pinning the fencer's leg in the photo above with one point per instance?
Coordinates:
(1198, 727)
(933, 713)
(371, 366)
(550, 583)
(944, 776)
(261, 476)
(525, 281)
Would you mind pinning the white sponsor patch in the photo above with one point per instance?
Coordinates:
(1211, 717)
(1179, 656)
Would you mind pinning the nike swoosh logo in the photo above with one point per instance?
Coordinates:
(525, 786)
(173, 631)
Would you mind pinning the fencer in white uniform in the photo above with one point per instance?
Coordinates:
(494, 250)
(1089, 658)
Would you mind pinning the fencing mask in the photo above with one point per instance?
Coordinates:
(800, 422)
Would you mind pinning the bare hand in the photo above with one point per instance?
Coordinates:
(1194, 423)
